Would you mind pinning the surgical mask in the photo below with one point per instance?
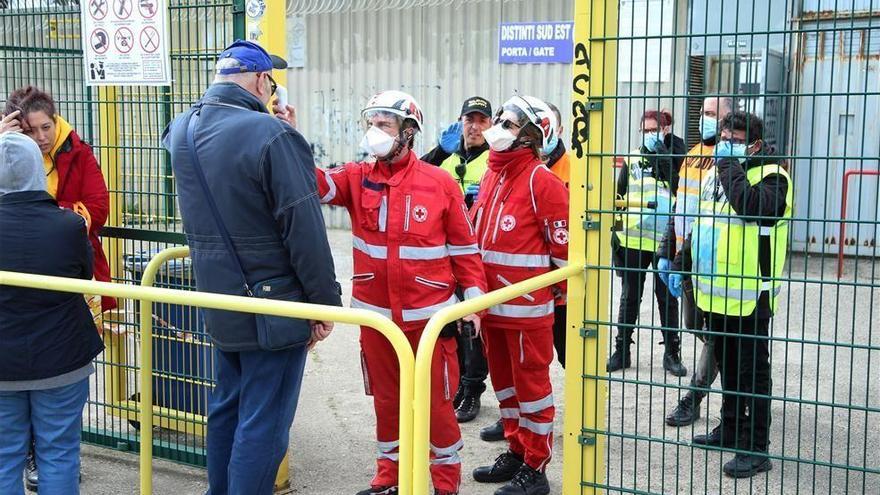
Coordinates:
(499, 138)
(377, 143)
(551, 145)
(708, 127)
(726, 149)
(650, 141)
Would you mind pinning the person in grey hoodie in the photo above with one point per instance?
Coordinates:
(47, 339)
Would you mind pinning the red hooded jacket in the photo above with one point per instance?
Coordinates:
(80, 180)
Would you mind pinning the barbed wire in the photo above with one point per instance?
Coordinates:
(312, 7)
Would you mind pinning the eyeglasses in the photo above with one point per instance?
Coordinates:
(737, 141)
(272, 83)
(507, 124)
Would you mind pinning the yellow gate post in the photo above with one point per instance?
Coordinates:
(266, 24)
(592, 191)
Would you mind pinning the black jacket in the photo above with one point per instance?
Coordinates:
(43, 334)
(766, 200)
(436, 156)
(262, 175)
(665, 168)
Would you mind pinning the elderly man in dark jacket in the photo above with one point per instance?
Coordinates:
(47, 339)
(246, 185)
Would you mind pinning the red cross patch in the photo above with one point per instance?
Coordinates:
(420, 213)
(560, 236)
(508, 223)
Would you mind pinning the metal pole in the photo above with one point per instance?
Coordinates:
(594, 78)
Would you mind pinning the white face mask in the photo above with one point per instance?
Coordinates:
(499, 138)
(377, 143)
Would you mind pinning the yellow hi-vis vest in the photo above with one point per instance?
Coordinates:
(726, 250)
(643, 228)
(473, 172)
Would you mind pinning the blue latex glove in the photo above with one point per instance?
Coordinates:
(674, 284)
(450, 139)
(664, 266)
(472, 190)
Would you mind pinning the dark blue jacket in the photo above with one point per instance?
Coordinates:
(43, 333)
(262, 175)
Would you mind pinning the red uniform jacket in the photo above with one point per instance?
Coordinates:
(413, 241)
(521, 218)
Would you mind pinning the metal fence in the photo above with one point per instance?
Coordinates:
(810, 71)
(40, 45)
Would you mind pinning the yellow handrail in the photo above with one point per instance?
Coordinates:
(233, 303)
(425, 353)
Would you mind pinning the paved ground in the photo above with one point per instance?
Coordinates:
(333, 448)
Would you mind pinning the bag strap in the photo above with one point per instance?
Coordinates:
(200, 174)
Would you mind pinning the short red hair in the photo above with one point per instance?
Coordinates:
(662, 117)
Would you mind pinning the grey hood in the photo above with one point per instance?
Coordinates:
(21, 164)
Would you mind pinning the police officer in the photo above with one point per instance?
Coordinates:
(737, 252)
(463, 153)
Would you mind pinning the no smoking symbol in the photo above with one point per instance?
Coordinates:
(149, 39)
(123, 40)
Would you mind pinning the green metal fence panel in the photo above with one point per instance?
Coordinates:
(40, 45)
(809, 70)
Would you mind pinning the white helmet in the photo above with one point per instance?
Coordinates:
(397, 103)
(531, 110)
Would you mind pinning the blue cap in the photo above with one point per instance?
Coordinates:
(251, 57)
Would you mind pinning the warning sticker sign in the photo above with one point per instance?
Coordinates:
(125, 42)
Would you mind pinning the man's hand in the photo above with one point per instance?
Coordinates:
(286, 113)
(473, 320)
(10, 123)
(320, 331)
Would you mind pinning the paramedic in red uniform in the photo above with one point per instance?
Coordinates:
(521, 218)
(413, 243)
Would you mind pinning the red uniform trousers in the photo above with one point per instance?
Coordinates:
(382, 381)
(519, 366)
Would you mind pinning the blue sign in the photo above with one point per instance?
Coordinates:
(536, 43)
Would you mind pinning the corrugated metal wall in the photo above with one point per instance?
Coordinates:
(837, 113)
(440, 54)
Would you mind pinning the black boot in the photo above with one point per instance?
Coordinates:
(31, 477)
(718, 437)
(468, 408)
(621, 358)
(505, 468)
(459, 395)
(526, 482)
(493, 432)
(672, 355)
(747, 465)
(687, 412)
